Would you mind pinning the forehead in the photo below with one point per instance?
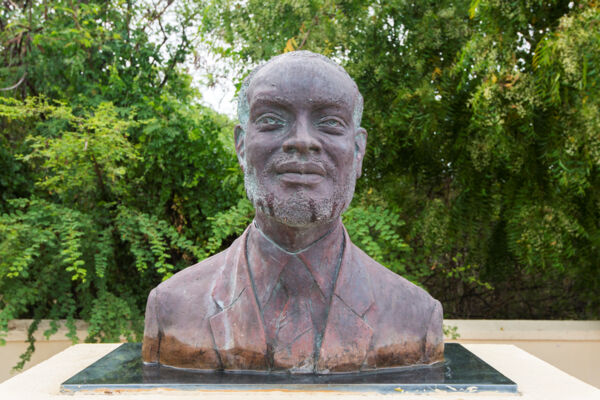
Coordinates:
(302, 81)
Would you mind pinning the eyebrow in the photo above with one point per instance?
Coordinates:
(266, 100)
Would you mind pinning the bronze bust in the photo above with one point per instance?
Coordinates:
(293, 293)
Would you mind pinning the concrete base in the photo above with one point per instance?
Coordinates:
(536, 380)
(572, 346)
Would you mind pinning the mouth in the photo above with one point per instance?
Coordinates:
(301, 173)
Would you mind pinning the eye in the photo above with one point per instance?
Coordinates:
(331, 122)
(331, 125)
(269, 122)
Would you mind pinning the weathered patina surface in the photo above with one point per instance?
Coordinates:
(293, 293)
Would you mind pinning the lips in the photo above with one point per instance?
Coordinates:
(300, 172)
(295, 167)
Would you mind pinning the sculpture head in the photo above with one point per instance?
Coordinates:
(299, 141)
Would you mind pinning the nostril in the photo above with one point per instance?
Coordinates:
(288, 148)
(302, 144)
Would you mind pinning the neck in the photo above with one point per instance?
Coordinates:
(293, 238)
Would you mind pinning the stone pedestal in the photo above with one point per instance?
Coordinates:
(123, 369)
(536, 379)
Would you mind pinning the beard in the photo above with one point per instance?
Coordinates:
(300, 208)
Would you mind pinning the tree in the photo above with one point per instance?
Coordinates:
(481, 177)
(483, 137)
(110, 168)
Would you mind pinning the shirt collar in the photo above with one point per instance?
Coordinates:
(267, 259)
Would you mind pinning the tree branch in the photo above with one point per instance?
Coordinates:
(16, 85)
(98, 172)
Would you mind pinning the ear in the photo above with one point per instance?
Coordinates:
(239, 136)
(360, 143)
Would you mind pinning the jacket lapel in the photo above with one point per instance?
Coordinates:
(237, 330)
(347, 335)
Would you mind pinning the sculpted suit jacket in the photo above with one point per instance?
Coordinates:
(206, 317)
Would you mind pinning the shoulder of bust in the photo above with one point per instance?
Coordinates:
(405, 318)
(197, 280)
(388, 286)
(199, 271)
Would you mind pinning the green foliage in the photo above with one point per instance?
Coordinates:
(483, 126)
(109, 167)
(480, 182)
(228, 224)
(451, 332)
(375, 230)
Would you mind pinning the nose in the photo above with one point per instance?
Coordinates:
(301, 139)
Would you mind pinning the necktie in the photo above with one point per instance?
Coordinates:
(295, 316)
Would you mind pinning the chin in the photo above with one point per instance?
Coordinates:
(300, 209)
(304, 211)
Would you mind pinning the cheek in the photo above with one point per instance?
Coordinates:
(258, 153)
(341, 152)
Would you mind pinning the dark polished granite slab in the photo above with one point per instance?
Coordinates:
(123, 369)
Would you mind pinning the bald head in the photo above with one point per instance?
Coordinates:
(293, 57)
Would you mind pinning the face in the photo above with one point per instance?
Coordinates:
(300, 151)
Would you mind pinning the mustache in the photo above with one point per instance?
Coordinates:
(284, 166)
